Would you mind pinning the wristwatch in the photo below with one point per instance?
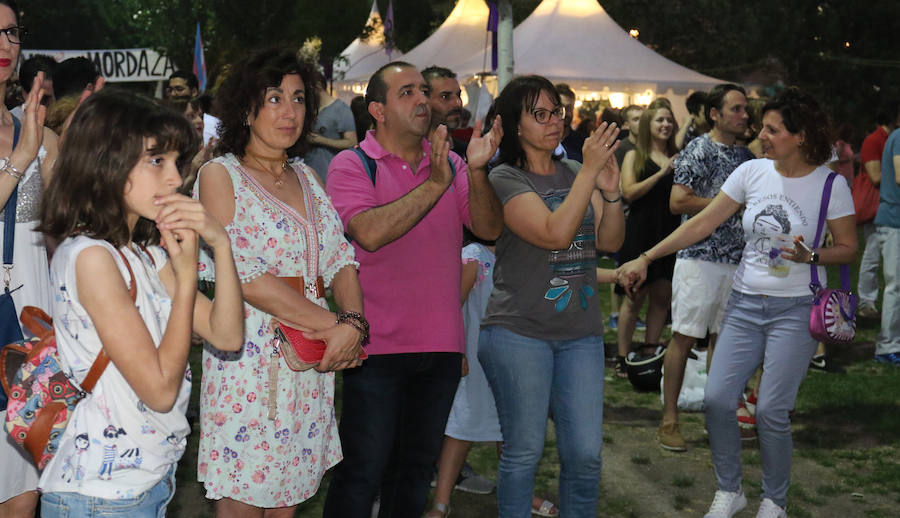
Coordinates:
(814, 257)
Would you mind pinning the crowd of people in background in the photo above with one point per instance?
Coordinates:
(448, 269)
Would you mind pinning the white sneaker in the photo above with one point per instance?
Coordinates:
(726, 504)
(769, 509)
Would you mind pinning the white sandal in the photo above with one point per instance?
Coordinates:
(546, 509)
(443, 509)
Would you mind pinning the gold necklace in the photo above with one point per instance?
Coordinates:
(279, 178)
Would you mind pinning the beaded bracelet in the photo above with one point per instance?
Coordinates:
(357, 321)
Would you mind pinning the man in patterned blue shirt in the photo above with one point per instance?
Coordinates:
(703, 273)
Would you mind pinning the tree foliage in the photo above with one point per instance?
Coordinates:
(766, 42)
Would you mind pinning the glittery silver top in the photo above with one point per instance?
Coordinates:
(28, 202)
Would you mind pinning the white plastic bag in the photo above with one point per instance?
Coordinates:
(694, 384)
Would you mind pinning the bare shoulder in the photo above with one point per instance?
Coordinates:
(97, 264)
(213, 176)
(216, 192)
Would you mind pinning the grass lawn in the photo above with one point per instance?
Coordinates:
(846, 450)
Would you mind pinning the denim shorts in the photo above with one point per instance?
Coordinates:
(149, 504)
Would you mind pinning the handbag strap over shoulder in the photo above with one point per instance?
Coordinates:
(102, 360)
(814, 284)
(9, 210)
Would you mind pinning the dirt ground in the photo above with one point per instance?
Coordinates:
(841, 467)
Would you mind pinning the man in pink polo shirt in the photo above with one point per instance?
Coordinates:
(405, 214)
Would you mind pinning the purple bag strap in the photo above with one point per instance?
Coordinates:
(814, 284)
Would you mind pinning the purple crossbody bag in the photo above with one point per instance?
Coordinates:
(832, 318)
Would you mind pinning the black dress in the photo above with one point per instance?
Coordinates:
(649, 221)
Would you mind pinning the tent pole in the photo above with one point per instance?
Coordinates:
(505, 64)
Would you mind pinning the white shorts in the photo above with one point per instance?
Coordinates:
(700, 291)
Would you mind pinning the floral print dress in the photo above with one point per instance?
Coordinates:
(245, 455)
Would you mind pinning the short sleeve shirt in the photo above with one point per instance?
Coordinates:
(332, 122)
(703, 166)
(411, 286)
(872, 147)
(775, 204)
(545, 294)
(888, 214)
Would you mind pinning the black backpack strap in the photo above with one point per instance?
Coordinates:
(371, 166)
(368, 162)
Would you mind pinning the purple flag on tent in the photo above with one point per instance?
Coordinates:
(493, 22)
(199, 60)
(389, 29)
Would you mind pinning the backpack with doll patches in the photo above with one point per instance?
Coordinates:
(42, 396)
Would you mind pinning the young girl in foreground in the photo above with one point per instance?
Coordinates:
(114, 207)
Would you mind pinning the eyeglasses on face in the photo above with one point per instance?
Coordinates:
(542, 116)
(15, 35)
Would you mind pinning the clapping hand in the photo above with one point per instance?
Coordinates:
(32, 134)
(483, 147)
(440, 149)
(599, 155)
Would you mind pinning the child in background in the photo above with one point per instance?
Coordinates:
(473, 417)
(115, 209)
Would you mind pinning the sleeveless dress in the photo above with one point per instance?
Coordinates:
(649, 221)
(31, 270)
(244, 455)
(473, 416)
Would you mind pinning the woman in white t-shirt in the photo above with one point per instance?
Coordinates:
(767, 319)
(121, 224)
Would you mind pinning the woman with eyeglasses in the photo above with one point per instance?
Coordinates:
(27, 153)
(541, 342)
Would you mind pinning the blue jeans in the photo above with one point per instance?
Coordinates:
(772, 332)
(395, 409)
(149, 504)
(530, 377)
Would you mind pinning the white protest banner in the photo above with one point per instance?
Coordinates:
(119, 65)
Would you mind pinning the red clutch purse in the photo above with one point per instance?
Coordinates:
(301, 353)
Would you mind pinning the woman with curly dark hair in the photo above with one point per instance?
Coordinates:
(268, 433)
(766, 322)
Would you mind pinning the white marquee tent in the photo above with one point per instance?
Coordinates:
(364, 56)
(576, 41)
(572, 41)
(461, 35)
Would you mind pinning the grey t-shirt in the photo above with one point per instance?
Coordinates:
(333, 121)
(545, 294)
